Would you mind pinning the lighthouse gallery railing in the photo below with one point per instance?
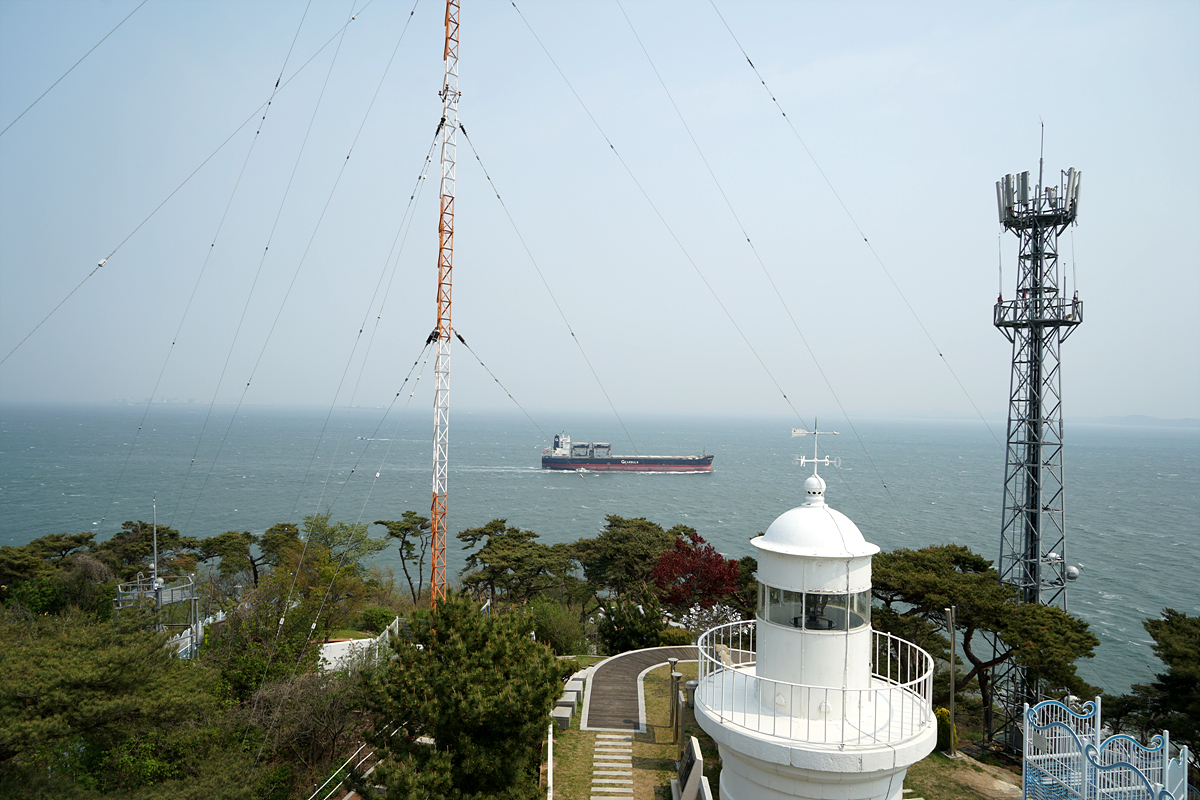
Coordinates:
(901, 692)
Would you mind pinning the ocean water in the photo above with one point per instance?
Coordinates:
(1133, 494)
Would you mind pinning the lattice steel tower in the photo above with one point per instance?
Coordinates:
(1037, 321)
(448, 131)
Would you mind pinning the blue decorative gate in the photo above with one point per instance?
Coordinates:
(1068, 758)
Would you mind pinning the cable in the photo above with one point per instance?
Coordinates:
(501, 385)
(388, 450)
(254, 283)
(546, 284)
(762, 265)
(56, 308)
(857, 227)
(295, 576)
(204, 265)
(73, 66)
(578, 472)
(185, 181)
(402, 228)
(312, 238)
(661, 218)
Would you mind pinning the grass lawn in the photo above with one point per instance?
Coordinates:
(573, 762)
(347, 633)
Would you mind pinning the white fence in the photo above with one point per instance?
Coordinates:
(896, 707)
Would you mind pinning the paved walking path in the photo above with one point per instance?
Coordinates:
(613, 701)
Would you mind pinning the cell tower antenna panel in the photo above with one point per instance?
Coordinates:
(441, 394)
(1037, 320)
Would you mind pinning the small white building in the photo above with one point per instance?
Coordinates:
(807, 701)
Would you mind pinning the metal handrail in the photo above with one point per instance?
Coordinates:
(1044, 310)
(902, 684)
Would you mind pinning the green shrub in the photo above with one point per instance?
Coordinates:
(41, 595)
(376, 618)
(557, 626)
(675, 637)
(946, 735)
(629, 625)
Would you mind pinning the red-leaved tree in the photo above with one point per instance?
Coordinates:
(692, 572)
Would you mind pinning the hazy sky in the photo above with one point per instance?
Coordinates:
(911, 110)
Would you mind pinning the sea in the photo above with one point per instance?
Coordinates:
(1132, 492)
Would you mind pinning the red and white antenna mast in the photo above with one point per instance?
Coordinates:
(441, 372)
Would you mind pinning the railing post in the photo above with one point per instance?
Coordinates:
(677, 731)
(675, 678)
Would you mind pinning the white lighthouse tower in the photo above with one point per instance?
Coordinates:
(807, 701)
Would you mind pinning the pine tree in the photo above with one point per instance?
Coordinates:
(471, 696)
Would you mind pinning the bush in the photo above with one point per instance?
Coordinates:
(376, 618)
(557, 626)
(675, 637)
(699, 619)
(946, 735)
(627, 625)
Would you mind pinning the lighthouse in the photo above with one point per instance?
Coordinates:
(807, 700)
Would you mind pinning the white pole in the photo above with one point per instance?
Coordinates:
(953, 653)
(154, 529)
(550, 763)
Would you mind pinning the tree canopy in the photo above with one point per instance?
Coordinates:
(511, 561)
(95, 705)
(348, 543)
(625, 553)
(915, 586)
(93, 708)
(131, 550)
(693, 573)
(1172, 700)
(413, 533)
(631, 623)
(472, 693)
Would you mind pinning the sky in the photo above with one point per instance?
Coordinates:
(635, 151)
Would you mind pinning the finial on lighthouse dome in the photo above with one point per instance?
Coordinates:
(813, 529)
(814, 490)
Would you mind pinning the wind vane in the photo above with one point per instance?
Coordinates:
(836, 462)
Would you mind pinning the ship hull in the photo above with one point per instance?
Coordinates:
(631, 463)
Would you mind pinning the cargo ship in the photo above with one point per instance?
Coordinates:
(598, 457)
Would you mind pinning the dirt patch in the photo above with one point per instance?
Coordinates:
(991, 782)
(937, 777)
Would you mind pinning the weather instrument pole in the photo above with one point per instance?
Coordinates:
(1037, 320)
(447, 130)
(836, 462)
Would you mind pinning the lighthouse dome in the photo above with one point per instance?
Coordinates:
(814, 529)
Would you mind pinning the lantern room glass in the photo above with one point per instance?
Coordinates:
(814, 611)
